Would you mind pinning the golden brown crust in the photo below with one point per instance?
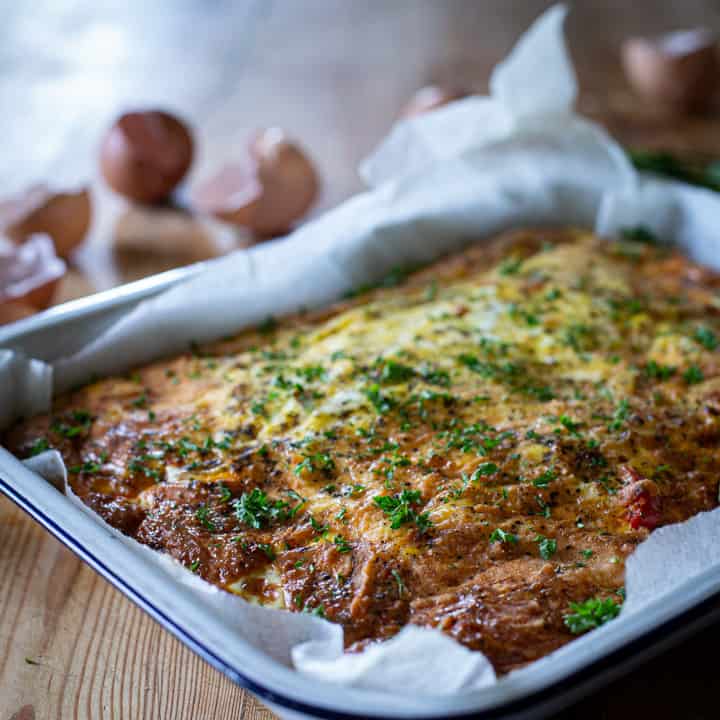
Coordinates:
(474, 447)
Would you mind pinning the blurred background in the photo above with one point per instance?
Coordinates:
(334, 75)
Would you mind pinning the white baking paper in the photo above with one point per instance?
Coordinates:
(25, 386)
(462, 173)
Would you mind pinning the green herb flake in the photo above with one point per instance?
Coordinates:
(203, 516)
(510, 266)
(398, 509)
(499, 535)
(659, 372)
(383, 404)
(590, 614)
(484, 470)
(225, 494)
(392, 372)
(545, 479)
(693, 375)
(546, 546)
(621, 414)
(268, 550)
(256, 509)
(39, 446)
(570, 425)
(706, 337)
(341, 544)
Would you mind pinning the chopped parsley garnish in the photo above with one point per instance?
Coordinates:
(398, 509)
(545, 478)
(139, 466)
(311, 373)
(553, 294)
(341, 544)
(484, 469)
(141, 401)
(475, 438)
(499, 535)
(319, 528)
(268, 550)
(383, 404)
(88, 466)
(707, 338)
(321, 462)
(511, 266)
(570, 425)
(391, 372)
(39, 446)
(659, 372)
(435, 377)
(203, 516)
(300, 503)
(318, 610)
(590, 614)
(620, 416)
(83, 420)
(256, 509)
(693, 375)
(546, 546)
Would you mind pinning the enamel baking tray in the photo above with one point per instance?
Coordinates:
(583, 666)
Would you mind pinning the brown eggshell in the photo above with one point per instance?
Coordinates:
(64, 216)
(680, 70)
(29, 273)
(233, 194)
(432, 97)
(145, 155)
(274, 185)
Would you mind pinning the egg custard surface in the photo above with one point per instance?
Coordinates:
(476, 446)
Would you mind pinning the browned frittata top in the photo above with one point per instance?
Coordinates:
(476, 447)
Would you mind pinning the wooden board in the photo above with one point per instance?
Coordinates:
(335, 73)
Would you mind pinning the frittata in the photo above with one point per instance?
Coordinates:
(476, 446)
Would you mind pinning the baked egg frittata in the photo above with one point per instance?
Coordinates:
(477, 446)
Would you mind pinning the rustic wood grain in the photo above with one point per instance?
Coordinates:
(71, 646)
(335, 73)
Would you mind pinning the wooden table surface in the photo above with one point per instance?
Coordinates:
(335, 74)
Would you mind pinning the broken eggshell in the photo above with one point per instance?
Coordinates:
(266, 191)
(680, 69)
(146, 154)
(29, 273)
(432, 97)
(64, 216)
